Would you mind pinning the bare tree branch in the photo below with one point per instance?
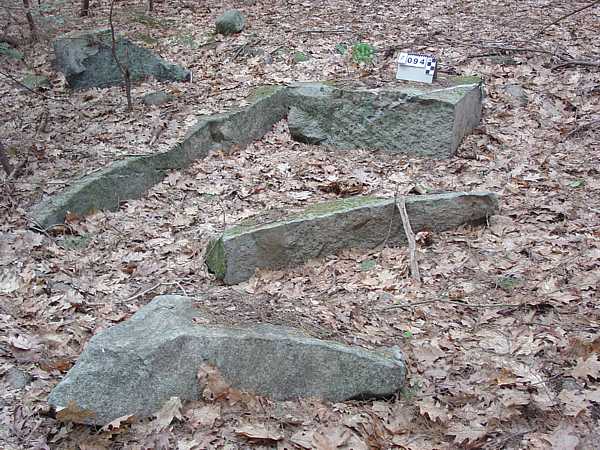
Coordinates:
(123, 68)
(32, 26)
(583, 8)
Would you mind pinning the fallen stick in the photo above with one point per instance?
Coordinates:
(410, 237)
(589, 5)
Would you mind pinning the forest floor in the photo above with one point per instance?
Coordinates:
(502, 336)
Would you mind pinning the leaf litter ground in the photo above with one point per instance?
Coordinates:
(502, 337)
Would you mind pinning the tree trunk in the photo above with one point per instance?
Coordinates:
(85, 8)
(32, 26)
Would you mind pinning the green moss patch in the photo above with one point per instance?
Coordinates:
(215, 258)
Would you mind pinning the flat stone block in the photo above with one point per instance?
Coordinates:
(359, 222)
(131, 178)
(418, 120)
(136, 366)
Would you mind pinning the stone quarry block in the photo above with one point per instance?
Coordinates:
(135, 366)
(86, 59)
(359, 222)
(413, 119)
(132, 177)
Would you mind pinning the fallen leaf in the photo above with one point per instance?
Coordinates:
(432, 409)
(585, 368)
(169, 411)
(73, 413)
(466, 434)
(213, 385)
(260, 432)
(118, 422)
(563, 438)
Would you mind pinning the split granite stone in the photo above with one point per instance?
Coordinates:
(135, 366)
(132, 177)
(411, 119)
(86, 60)
(326, 228)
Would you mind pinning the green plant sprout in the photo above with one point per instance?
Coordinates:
(362, 52)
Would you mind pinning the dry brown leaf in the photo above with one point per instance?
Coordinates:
(169, 411)
(73, 413)
(563, 438)
(432, 409)
(466, 434)
(213, 385)
(260, 432)
(303, 438)
(573, 402)
(589, 367)
(204, 416)
(118, 422)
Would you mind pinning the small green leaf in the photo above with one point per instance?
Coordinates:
(407, 334)
(300, 57)
(367, 264)
(362, 52)
(577, 183)
(341, 48)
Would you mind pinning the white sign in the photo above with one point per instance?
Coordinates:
(416, 67)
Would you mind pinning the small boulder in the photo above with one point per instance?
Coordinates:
(517, 95)
(86, 59)
(157, 98)
(34, 82)
(230, 22)
(17, 379)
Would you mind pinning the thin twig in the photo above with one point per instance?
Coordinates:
(150, 289)
(577, 62)
(582, 127)
(14, 80)
(455, 302)
(124, 69)
(410, 236)
(325, 31)
(583, 8)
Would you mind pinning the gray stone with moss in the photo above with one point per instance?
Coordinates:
(326, 228)
(132, 177)
(409, 119)
(86, 59)
(137, 365)
(230, 22)
(157, 98)
(34, 82)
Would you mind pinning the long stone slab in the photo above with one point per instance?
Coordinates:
(135, 366)
(132, 177)
(325, 228)
(411, 119)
